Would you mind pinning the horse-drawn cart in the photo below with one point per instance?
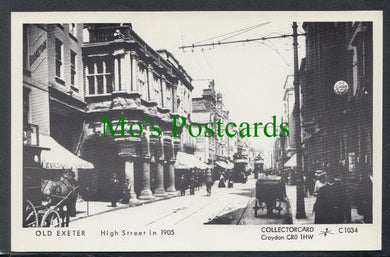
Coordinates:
(49, 186)
(270, 193)
(48, 203)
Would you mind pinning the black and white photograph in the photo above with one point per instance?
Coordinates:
(190, 129)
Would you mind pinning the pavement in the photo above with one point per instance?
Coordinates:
(224, 206)
(309, 203)
(87, 209)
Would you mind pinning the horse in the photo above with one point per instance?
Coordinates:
(61, 193)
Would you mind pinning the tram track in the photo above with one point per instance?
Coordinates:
(183, 208)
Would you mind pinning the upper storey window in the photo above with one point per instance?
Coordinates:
(73, 29)
(59, 58)
(99, 77)
(73, 63)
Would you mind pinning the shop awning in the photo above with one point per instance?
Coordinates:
(292, 162)
(225, 164)
(189, 161)
(221, 164)
(58, 157)
(230, 165)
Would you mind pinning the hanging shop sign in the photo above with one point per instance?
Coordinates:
(37, 52)
(341, 87)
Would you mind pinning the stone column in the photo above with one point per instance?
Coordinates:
(134, 64)
(171, 178)
(171, 189)
(160, 191)
(150, 82)
(146, 193)
(125, 74)
(174, 100)
(116, 74)
(127, 149)
(163, 89)
(129, 171)
(159, 180)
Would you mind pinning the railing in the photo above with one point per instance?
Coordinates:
(109, 33)
(31, 134)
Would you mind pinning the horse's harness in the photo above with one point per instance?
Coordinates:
(71, 189)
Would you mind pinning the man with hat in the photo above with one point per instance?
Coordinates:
(332, 205)
(320, 182)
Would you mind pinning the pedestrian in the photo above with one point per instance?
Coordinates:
(115, 188)
(197, 179)
(126, 192)
(182, 185)
(73, 197)
(209, 182)
(320, 182)
(192, 185)
(222, 181)
(332, 205)
(230, 181)
(365, 198)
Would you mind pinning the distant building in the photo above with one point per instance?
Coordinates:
(204, 110)
(208, 106)
(288, 116)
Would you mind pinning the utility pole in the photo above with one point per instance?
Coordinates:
(301, 214)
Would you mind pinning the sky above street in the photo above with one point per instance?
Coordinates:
(249, 75)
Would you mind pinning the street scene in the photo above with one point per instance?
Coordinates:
(238, 121)
(224, 206)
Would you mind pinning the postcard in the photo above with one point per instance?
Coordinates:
(196, 131)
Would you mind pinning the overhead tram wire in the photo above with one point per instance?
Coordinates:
(236, 31)
(244, 31)
(238, 41)
(275, 50)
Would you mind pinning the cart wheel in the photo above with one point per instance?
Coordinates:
(30, 217)
(51, 219)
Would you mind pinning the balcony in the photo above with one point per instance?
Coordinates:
(31, 135)
(109, 33)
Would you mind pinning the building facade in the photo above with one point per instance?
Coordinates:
(76, 74)
(124, 76)
(53, 80)
(204, 110)
(184, 109)
(337, 125)
(209, 107)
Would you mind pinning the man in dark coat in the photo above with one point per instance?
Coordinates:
(192, 185)
(115, 190)
(73, 197)
(332, 205)
(182, 185)
(209, 182)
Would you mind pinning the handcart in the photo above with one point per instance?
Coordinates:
(270, 193)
